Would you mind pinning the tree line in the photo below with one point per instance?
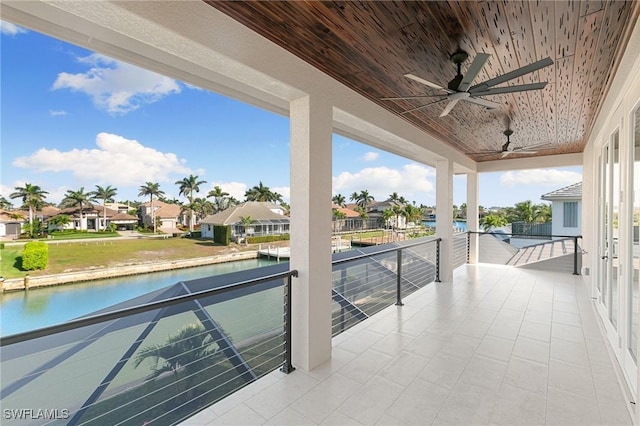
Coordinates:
(33, 199)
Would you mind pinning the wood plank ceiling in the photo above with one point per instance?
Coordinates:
(370, 45)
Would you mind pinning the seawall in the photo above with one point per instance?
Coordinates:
(29, 282)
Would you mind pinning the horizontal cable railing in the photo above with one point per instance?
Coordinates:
(368, 280)
(460, 248)
(156, 362)
(161, 357)
(555, 246)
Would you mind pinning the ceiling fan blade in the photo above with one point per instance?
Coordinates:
(483, 102)
(508, 89)
(422, 106)
(521, 151)
(514, 74)
(401, 98)
(506, 153)
(449, 107)
(473, 71)
(426, 82)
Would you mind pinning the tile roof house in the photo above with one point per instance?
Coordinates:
(170, 216)
(566, 210)
(11, 223)
(266, 219)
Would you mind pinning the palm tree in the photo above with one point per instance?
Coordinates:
(107, 195)
(5, 204)
(151, 189)
(354, 197)
(188, 186)
(525, 211)
(364, 199)
(32, 197)
(77, 198)
(220, 197)
(246, 221)
(202, 207)
(183, 351)
(262, 193)
(60, 221)
(394, 197)
(339, 200)
(493, 219)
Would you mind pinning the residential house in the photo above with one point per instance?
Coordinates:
(566, 210)
(266, 219)
(93, 218)
(169, 217)
(11, 223)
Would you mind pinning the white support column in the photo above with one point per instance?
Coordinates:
(311, 130)
(444, 216)
(472, 215)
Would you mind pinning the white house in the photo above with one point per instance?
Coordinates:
(265, 220)
(566, 210)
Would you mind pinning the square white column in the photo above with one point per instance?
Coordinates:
(472, 215)
(311, 138)
(444, 216)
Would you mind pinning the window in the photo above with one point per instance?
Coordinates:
(570, 214)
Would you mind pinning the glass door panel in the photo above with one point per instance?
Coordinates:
(615, 227)
(635, 240)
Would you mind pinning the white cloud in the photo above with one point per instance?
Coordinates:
(235, 189)
(545, 177)
(115, 161)
(412, 181)
(7, 28)
(285, 191)
(370, 156)
(57, 113)
(115, 86)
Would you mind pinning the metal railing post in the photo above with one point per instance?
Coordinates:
(287, 367)
(399, 279)
(575, 256)
(468, 246)
(438, 260)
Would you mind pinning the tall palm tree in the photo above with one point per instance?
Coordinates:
(220, 197)
(151, 189)
(262, 193)
(354, 197)
(202, 207)
(107, 195)
(77, 198)
(340, 200)
(188, 186)
(394, 197)
(364, 199)
(32, 197)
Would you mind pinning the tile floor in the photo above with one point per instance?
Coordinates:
(498, 346)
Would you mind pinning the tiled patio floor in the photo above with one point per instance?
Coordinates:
(498, 346)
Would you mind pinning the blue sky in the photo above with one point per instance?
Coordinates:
(72, 118)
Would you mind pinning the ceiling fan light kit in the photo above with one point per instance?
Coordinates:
(461, 89)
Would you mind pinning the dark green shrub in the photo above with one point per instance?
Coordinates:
(195, 234)
(35, 256)
(1, 246)
(222, 234)
(267, 238)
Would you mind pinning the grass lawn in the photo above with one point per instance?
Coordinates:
(78, 256)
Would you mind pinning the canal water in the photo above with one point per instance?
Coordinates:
(462, 226)
(29, 310)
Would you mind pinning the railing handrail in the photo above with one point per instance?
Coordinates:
(120, 313)
(524, 235)
(384, 251)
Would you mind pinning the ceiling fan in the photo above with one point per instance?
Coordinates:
(507, 149)
(460, 88)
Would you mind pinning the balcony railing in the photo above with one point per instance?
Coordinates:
(567, 245)
(166, 355)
